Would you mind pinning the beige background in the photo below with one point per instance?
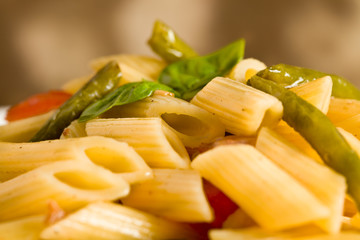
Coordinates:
(44, 43)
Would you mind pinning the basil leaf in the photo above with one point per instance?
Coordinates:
(128, 93)
(189, 76)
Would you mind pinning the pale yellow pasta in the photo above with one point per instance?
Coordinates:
(341, 109)
(174, 194)
(72, 184)
(118, 157)
(192, 124)
(24, 129)
(133, 67)
(240, 71)
(150, 137)
(103, 220)
(269, 195)
(328, 186)
(351, 124)
(27, 228)
(296, 234)
(241, 108)
(74, 130)
(317, 92)
(287, 132)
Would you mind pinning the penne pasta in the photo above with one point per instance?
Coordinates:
(75, 130)
(150, 137)
(341, 109)
(193, 125)
(118, 157)
(262, 189)
(328, 186)
(242, 109)
(24, 129)
(174, 194)
(28, 228)
(134, 67)
(317, 92)
(72, 184)
(103, 220)
(245, 69)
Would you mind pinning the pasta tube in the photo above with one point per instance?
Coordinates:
(118, 157)
(193, 125)
(135, 68)
(328, 186)
(317, 92)
(241, 71)
(72, 184)
(24, 129)
(242, 109)
(150, 137)
(269, 195)
(28, 228)
(102, 220)
(341, 109)
(174, 194)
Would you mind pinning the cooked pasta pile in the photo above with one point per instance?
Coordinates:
(223, 165)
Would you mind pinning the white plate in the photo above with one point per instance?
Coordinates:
(3, 111)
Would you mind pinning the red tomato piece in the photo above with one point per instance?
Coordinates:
(37, 104)
(221, 205)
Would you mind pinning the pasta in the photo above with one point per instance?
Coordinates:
(118, 157)
(233, 107)
(188, 147)
(72, 184)
(192, 124)
(158, 146)
(174, 194)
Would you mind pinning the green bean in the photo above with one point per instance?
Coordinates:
(291, 76)
(318, 130)
(167, 44)
(104, 81)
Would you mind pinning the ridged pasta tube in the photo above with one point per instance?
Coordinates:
(104, 221)
(24, 129)
(241, 108)
(192, 124)
(328, 186)
(72, 184)
(241, 69)
(150, 137)
(341, 109)
(174, 194)
(118, 157)
(134, 67)
(269, 195)
(28, 228)
(317, 92)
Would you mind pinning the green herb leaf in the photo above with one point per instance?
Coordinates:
(125, 94)
(189, 76)
(168, 45)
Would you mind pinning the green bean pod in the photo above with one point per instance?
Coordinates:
(167, 44)
(291, 76)
(104, 81)
(318, 130)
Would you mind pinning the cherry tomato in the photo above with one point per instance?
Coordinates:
(37, 104)
(221, 205)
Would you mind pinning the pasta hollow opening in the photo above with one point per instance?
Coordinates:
(82, 180)
(110, 159)
(184, 124)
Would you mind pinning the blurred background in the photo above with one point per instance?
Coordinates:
(45, 43)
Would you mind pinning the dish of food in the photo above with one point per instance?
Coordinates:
(186, 147)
